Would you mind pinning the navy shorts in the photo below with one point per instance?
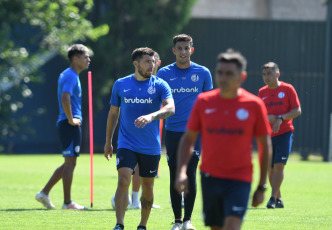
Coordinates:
(148, 164)
(281, 146)
(70, 138)
(223, 198)
(172, 141)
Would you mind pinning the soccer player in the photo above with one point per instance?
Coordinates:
(282, 105)
(136, 182)
(69, 126)
(139, 96)
(186, 79)
(228, 118)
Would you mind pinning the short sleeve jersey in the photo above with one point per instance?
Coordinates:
(186, 84)
(280, 101)
(137, 98)
(69, 82)
(228, 127)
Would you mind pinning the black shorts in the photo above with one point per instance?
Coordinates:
(70, 138)
(223, 198)
(281, 145)
(172, 141)
(148, 164)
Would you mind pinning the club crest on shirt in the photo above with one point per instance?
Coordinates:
(151, 90)
(242, 114)
(281, 95)
(194, 78)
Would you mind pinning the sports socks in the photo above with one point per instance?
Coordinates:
(134, 196)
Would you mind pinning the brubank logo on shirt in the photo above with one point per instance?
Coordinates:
(138, 101)
(185, 90)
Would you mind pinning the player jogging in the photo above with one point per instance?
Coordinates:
(69, 126)
(139, 96)
(186, 79)
(282, 105)
(228, 118)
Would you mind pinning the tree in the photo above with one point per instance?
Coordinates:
(31, 33)
(133, 24)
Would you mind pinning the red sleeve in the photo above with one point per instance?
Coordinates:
(194, 122)
(259, 94)
(294, 101)
(262, 125)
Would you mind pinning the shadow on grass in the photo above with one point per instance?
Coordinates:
(43, 209)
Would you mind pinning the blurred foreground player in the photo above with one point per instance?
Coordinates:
(228, 118)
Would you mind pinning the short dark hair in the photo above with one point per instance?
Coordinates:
(183, 38)
(231, 56)
(138, 53)
(77, 49)
(271, 65)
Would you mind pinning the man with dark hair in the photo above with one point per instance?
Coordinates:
(228, 118)
(139, 96)
(186, 79)
(69, 126)
(136, 182)
(283, 106)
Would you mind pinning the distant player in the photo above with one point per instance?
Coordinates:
(186, 79)
(228, 118)
(139, 96)
(282, 105)
(69, 126)
(136, 182)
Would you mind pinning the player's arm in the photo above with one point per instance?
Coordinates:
(112, 121)
(265, 153)
(66, 105)
(168, 109)
(287, 116)
(185, 150)
(293, 113)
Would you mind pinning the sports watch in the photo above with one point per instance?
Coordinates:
(262, 188)
(280, 117)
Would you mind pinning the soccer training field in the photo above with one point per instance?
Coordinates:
(307, 194)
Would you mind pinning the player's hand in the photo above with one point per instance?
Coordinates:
(142, 121)
(108, 151)
(75, 122)
(272, 118)
(181, 183)
(257, 198)
(276, 125)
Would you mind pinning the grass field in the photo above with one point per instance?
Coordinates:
(307, 192)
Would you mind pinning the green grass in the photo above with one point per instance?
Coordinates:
(307, 193)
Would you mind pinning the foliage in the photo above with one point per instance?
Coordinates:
(132, 24)
(31, 33)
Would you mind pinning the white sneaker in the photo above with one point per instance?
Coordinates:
(177, 226)
(73, 205)
(155, 206)
(135, 205)
(188, 226)
(45, 200)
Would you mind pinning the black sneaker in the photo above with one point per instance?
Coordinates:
(271, 203)
(279, 204)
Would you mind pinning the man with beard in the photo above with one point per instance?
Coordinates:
(139, 96)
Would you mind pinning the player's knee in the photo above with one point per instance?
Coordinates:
(123, 181)
(147, 184)
(278, 167)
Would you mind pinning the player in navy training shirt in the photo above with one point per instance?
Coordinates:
(186, 79)
(139, 97)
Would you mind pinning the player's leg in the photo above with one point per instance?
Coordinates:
(148, 165)
(126, 161)
(57, 175)
(136, 184)
(67, 177)
(236, 203)
(281, 154)
(213, 202)
(189, 200)
(172, 140)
